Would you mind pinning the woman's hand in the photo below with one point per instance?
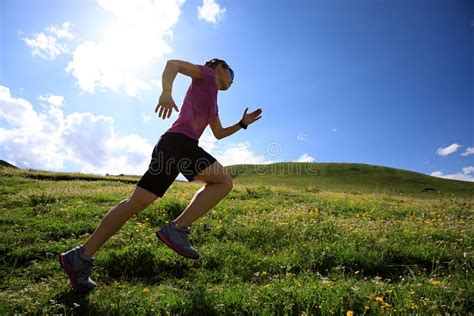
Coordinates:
(249, 118)
(166, 105)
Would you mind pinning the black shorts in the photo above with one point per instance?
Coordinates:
(174, 153)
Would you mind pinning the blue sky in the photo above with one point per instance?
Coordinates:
(379, 82)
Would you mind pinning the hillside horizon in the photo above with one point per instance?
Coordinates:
(5, 163)
(311, 176)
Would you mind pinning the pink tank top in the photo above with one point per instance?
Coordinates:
(199, 105)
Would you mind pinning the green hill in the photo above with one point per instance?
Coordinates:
(310, 177)
(349, 177)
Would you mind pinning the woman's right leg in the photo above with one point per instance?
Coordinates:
(117, 217)
(218, 183)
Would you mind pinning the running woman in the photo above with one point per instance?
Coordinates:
(176, 151)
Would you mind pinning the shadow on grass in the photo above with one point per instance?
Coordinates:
(147, 264)
(74, 302)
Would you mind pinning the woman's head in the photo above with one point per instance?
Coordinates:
(224, 74)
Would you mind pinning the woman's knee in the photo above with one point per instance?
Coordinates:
(137, 205)
(215, 174)
(140, 199)
(228, 183)
(224, 180)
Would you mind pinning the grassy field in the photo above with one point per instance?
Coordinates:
(293, 245)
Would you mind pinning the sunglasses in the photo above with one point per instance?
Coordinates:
(230, 70)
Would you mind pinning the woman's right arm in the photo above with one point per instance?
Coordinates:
(174, 66)
(166, 103)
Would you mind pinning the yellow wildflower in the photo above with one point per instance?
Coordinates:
(145, 290)
(350, 313)
(434, 282)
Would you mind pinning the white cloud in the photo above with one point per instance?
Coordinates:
(61, 31)
(305, 158)
(468, 170)
(302, 136)
(436, 174)
(16, 111)
(210, 11)
(52, 99)
(239, 153)
(33, 139)
(467, 174)
(228, 153)
(48, 139)
(469, 151)
(134, 40)
(334, 130)
(207, 140)
(47, 45)
(448, 150)
(146, 118)
(93, 142)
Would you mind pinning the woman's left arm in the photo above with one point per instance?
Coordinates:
(247, 119)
